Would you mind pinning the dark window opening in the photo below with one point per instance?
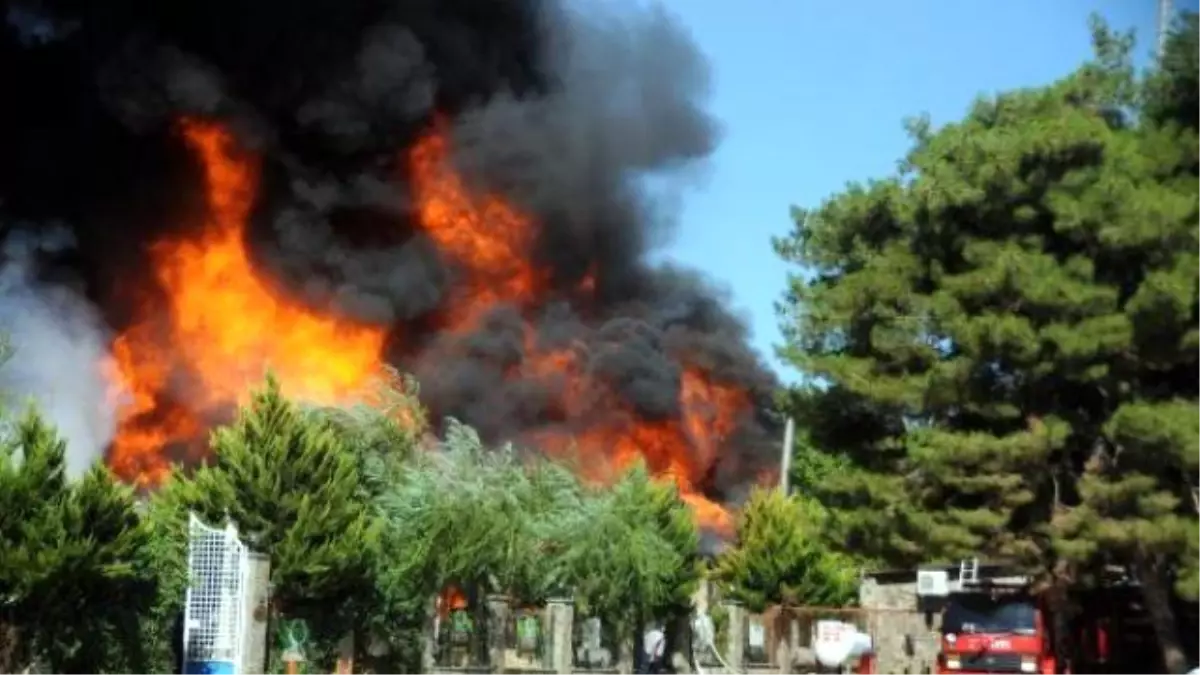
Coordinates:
(984, 614)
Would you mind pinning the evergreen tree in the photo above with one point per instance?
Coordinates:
(1172, 95)
(781, 557)
(811, 466)
(676, 524)
(1006, 332)
(288, 481)
(77, 579)
(638, 555)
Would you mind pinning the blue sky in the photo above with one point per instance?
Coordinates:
(812, 94)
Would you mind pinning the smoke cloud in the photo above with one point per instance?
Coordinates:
(565, 111)
(58, 344)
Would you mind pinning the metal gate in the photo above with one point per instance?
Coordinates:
(218, 564)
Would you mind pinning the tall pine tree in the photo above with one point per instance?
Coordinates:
(782, 558)
(77, 583)
(289, 481)
(638, 556)
(1006, 332)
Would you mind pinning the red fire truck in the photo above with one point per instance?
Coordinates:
(991, 624)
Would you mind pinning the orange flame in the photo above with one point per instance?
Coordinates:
(488, 238)
(681, 450)
(449, 600)
(223, 326)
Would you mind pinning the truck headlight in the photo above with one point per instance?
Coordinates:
(953, 662)
(1029, 664)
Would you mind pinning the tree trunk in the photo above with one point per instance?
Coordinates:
(1062, 611)
(1156, 592)
(16, 655)
(9, 647)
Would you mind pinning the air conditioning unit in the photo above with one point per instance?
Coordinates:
(933, 583)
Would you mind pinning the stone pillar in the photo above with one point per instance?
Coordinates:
(429, 636)
(256, 615)
(787, 636)
(629, 643)
(345, 655)
(736, 636)
(559, 631)
(498, 614)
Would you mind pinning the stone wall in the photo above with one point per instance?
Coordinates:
(906, 638)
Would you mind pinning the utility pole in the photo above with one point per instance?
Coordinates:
(785, 460)
(1164, 25)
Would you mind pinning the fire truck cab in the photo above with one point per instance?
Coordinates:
(989, 623)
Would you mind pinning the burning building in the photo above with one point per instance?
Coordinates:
(470, 191)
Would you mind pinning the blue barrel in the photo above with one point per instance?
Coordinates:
(209, 668)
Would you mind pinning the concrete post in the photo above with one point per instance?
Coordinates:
(787, 637)
(257, 613)
(345, 655)
(736, 634)
(499, 610)
(428, 636)
(628, 644)
(560, 615)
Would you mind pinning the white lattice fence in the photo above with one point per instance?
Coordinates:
(218, 563)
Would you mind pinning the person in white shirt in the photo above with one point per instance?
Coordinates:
(655, 645)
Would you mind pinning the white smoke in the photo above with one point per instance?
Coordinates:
(59, 344)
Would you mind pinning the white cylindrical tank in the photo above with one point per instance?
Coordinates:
(835, 642)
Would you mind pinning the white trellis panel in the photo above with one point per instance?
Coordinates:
(218, 564)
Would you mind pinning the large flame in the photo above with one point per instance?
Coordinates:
(485, 236)
(225, 324)
(223, 327)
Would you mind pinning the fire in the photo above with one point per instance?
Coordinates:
(223, 327)
(491, 243)
(485, 236)
(681, 450)
(182, 366)
(451, 599)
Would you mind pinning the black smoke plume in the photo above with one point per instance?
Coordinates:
(564, 111)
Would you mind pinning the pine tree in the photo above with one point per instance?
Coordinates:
(1006, 332)
(77, 579)
(676, 524)
(1172, 93)
(288, 481)
(639, 554)
(811, 466)
(781, 557)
